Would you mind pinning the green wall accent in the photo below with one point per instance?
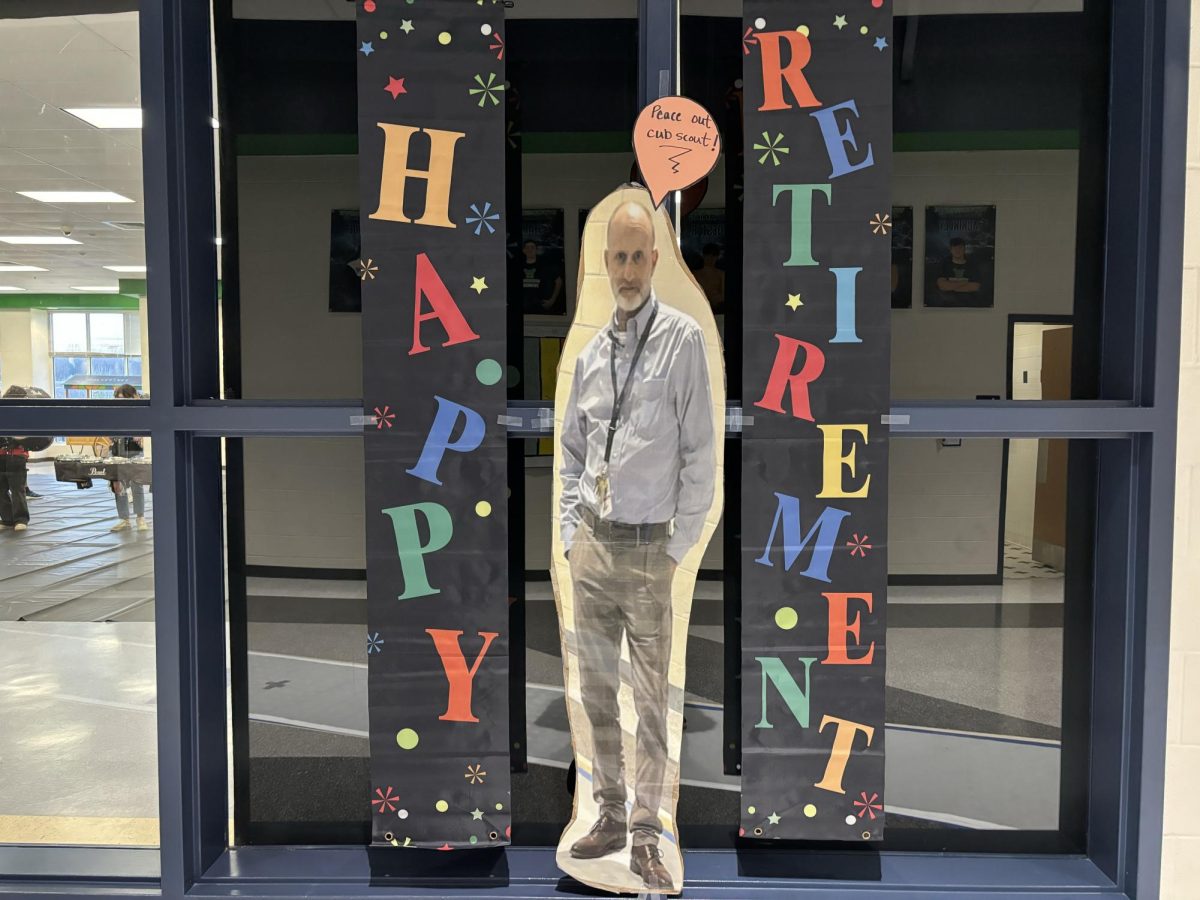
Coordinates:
(619, 142)
(67, 301)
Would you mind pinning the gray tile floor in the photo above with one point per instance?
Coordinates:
(973, 712)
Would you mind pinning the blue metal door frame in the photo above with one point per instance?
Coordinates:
(1134, 427)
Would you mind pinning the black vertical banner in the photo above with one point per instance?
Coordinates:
(816, 343)
(431, 161)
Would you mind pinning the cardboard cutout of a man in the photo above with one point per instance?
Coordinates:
(638, 466)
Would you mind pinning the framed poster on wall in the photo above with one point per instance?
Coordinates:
(960, 253)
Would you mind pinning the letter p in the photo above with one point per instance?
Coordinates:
(438, 441)
(409, 548)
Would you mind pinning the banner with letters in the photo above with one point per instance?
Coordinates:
(818, 132)
(431, 103)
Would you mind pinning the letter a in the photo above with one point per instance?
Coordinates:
(442, 307)
(394, 178)
(782, 377)
(461, 679)
(770, 44)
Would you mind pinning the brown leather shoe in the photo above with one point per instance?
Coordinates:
(607, 836)
(646, 861)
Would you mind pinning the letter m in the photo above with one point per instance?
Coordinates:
(825, 531)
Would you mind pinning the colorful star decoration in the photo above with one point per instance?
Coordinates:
(478, 284)
(880, 43)
(385, 802)
(839, 22)
(366, 49)
(868, 807)
(881, 224)
(794, 302)
(773, 818)
(859, 546)
(407, 26)
(487, 90)
(772, 148)
(475, 774)
(383, 417)
(395, 86)
(747, 39)
(477, 814)
(365, 269)
(483, 218)
(374, 643)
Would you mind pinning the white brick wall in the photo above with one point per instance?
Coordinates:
(1181, 830)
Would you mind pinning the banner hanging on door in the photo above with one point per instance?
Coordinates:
(433, 268)
(817, 82)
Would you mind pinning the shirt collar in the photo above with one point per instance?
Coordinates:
(638, 322)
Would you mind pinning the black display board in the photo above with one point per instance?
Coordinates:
(432, 187)
(816, 342)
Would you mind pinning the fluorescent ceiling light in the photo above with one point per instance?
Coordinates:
(9, 287)
(109, 117)
(38, 239)
(8, 267)
(75, 196)
(95, 288)
(126, 268)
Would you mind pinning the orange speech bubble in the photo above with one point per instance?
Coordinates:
(677, 143)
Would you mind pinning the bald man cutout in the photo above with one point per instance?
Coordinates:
(637, 467)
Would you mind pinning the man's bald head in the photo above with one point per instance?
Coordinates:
(630, 256)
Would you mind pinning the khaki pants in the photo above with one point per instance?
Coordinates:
(623, 589)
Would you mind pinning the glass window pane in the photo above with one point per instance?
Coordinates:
(1011, 167)
(70, 332)
(74, 199)
(108, 333)
(108, 366)
(77, 667)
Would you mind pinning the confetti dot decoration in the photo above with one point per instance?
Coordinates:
(751, 810)
(810, 810)
(488, 371)
(407, 738)
(499, 806)
(863, 30)
(444, 38)
(441, 806)
(803, 29)
(483, 509)
(786, 618)
(760, 23)
(383, 35)
(850, 820)
(403, 814)
(474, 840)
(485, 29)
(877, 3)
(369, 6)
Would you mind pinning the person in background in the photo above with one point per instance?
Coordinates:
(128, 447)
(14, 470)
(711, 279)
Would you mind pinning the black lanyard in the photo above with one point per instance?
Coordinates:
(619, 401)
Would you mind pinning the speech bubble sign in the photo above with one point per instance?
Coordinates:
(677, 143)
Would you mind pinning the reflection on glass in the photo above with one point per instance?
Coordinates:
(77, 670)
(72, 133)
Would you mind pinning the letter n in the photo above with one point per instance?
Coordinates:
(825, 529)
(775, 74)
(397, 139)
(774, 671)
(460, 678)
